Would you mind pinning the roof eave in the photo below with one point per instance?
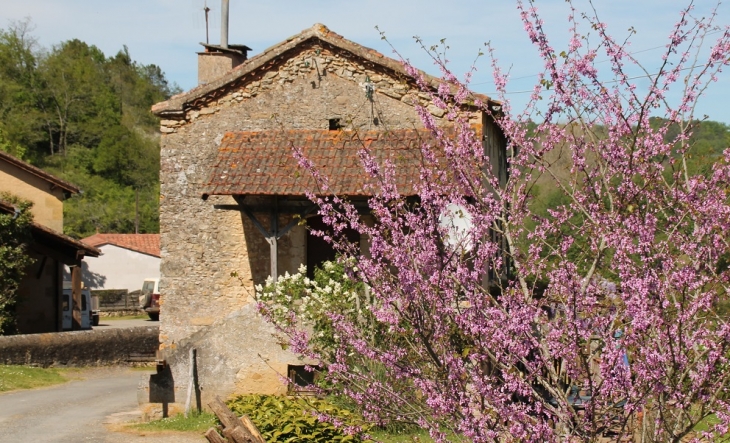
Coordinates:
(40, 173)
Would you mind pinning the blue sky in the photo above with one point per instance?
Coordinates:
(167, 32)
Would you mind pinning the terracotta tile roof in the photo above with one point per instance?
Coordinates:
(145, 243)
(57, 239)
(53, 180)
(262, 163)
(178, 104)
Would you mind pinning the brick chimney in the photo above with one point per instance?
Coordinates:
(215, 61)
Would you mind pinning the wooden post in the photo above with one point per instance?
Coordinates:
(76, 296)
(273, 240)
(495, 147)
(191, 381)
(274, 251)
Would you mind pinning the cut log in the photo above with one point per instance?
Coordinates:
(238, 435)
(234, 429)
(252, 429)
(214, 437)
(225, 415)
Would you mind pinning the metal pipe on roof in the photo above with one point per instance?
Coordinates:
(224, 23)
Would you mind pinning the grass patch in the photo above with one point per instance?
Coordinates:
(196, 422)
(24, 377)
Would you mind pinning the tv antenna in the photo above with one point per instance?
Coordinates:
(207, 10)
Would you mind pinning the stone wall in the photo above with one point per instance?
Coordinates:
(202, 247)
(234, 354)
(78, 348)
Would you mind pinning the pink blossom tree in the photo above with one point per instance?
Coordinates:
(593, 321)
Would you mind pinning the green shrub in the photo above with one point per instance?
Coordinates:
(286, 420)
(110, 296)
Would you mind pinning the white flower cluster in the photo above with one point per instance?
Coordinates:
(305, 297)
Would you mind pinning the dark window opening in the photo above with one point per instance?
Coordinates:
(318, 249)
(302, 380)
(335, 124)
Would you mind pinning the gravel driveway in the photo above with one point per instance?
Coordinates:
(92, 409)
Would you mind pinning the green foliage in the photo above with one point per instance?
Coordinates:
(24, 377)
(9, 147)
(86, 118)
(286, 420)
(14, 260)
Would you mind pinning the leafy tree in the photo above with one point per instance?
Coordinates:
(126, 158)
(78, 95)
(20, 119)
(618, 340)
(14, 258)
(85, 117)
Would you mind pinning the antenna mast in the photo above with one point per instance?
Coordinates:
(207, 10)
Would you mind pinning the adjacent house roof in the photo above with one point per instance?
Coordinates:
(319, 33)
(145, 243)
(53, 180)
(65, 248)
(261, 163)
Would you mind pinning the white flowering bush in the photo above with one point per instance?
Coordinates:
(295, 299)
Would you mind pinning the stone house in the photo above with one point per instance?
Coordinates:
(126, 261)
(231, 192)
(40, 304)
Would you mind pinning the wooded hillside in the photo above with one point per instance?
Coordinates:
(85, 117)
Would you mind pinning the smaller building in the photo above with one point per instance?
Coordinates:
(126, 261)
(40, 304)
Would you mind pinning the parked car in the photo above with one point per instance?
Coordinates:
(89, 308)
(149, 299)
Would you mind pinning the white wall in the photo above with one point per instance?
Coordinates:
(119, 268)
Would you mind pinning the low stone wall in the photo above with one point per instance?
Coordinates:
(80, 348)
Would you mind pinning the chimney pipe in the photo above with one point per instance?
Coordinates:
(224, 23)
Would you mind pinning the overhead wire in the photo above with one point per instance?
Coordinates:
(598, 62)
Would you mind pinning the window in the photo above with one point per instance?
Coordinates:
(301, 380)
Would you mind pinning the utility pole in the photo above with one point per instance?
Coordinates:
(136, 210)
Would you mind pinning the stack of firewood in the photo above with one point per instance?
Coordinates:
(235, 430)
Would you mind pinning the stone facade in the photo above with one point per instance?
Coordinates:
(212, 258)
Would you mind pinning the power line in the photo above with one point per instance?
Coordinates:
(598, 62)
(650, 76)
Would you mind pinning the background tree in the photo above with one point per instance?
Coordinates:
(620, 338)
(85, 117)
(14, 258)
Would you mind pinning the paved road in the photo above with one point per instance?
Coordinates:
(107, 323)
(87, 410)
